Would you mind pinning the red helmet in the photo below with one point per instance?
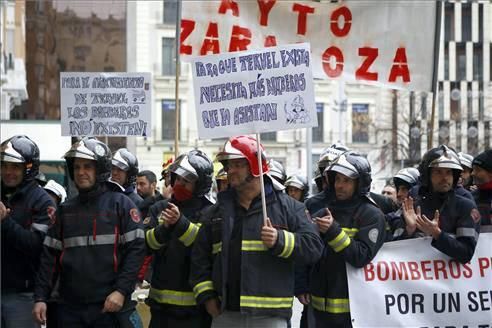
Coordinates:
(244, 147)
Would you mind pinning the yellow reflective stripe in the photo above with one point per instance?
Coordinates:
(172, 297)
(202, 287)
(318, 303)
(330, 305)
(151, 240)
(266, 302)
(289, 243)
(216, 248)
(340, 242)
(337, 305)
(190, 234)
(253, 245)
(351, 231)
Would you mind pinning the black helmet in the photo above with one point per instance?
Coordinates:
(21, 149)
(92, 149)
(329, 154)
(408, 176)
(299, 182)
(277, 170)
(352, 165)
(127, 162)
(194, 166)
(441, 156)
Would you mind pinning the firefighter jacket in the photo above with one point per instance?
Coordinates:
(266, 282)
(97, 244)
(132, 194)
(356, 235)
(459, 220)
(483, 199)
(23, 231)
(170, 288)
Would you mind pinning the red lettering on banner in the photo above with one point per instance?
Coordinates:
(325, 59)
(440, 266)
(265, 7)
(452, 272)
(484, 263)
(426, 269)
(362, 73)
(467, 272)
(302, 17)
(414, 270)
(369, 272)
(400, 270)
(226, 5)
(347, 21)
(270, 41)
(383, 271)
(211, 41)
(240, 38)
(187, 26)
(400, 66)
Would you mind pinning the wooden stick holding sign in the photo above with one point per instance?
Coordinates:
(262, 181)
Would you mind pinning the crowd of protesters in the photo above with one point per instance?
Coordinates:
(212, 259)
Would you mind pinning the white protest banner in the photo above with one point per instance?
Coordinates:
(254, 91)
(386, 43)
(105, 104)
(411, 284)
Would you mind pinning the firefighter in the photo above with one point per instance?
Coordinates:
(242, 270)
(438, 211)
(466, 163)
(96, 244)
(353, 228)
(297, 187)
(24, 213)
(404, 180)
(482, 177)
(124, 171)
(221, 180)
(277, 171)
(170, 236)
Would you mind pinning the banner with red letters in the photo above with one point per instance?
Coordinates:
(385, 43)
(411, 284)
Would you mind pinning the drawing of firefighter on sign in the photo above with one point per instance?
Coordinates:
(297, 112)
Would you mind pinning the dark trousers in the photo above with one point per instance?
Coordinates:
(164, 319)
(85, 316)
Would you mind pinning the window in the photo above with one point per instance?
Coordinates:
(480, 22)
(448, 21)
(455, 101)
(477, 62)
(168, 119)
(466, 22)
(460, 61)
(168, 54)
(469, 97)
(170, 9)
(414, 142)
(480, 101)
(446, 61)
(472, 141)
(360, 122)
(268, 136)
(318, 131)
(443, 132)
(486, 137)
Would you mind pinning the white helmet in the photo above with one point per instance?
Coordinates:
(57, 189)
